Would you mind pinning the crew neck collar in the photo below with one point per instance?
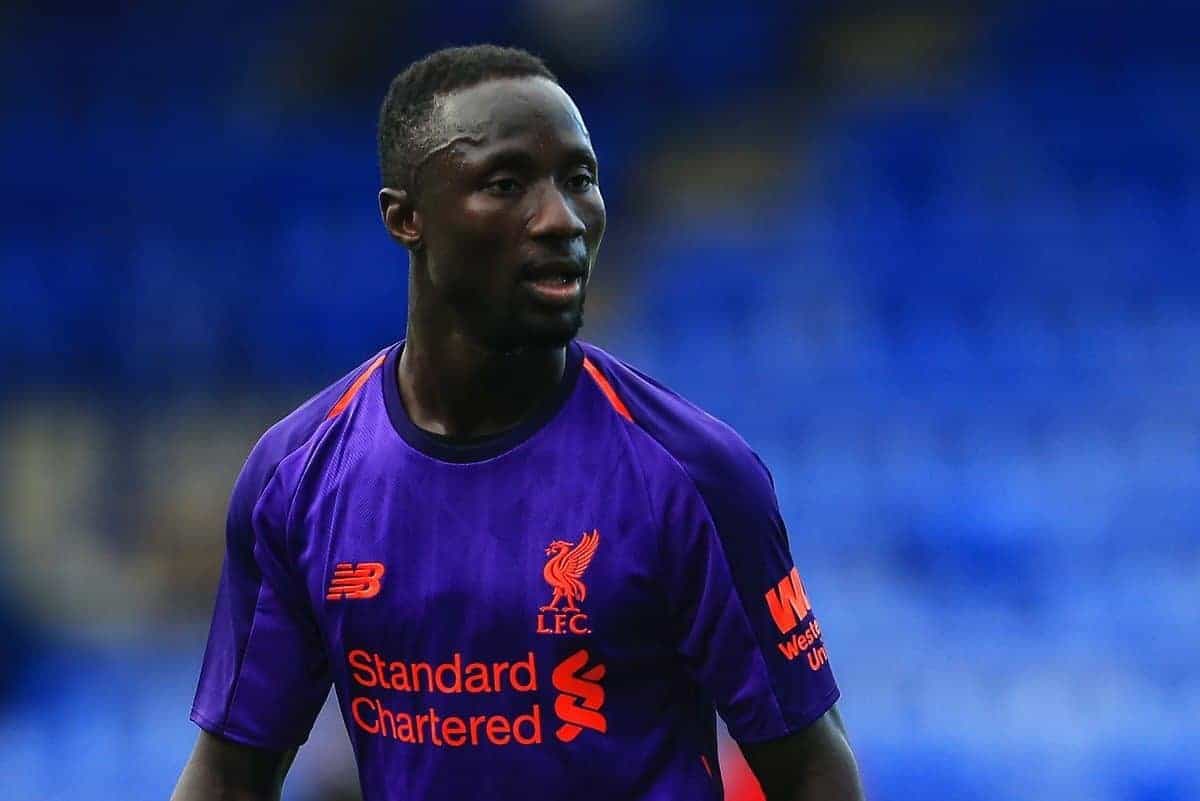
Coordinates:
(474, 449)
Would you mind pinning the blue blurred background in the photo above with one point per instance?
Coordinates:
(937, 263)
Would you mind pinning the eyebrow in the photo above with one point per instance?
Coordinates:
(519, 158)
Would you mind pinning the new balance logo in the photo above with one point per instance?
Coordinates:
(580, 696)
(787, 602)
(362, 580)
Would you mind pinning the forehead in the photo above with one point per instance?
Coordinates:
(507, 109)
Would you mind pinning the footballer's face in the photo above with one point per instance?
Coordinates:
(510, 212)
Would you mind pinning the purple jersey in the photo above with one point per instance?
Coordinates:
(551, 613)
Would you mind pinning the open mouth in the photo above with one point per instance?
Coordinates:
(554, 280)
(556, 288)
(553, 285)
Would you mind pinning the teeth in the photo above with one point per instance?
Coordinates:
(556, 280)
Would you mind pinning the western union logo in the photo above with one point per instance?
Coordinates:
(787, 602)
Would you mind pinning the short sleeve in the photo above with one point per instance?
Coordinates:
(739, 611)
(265, 673)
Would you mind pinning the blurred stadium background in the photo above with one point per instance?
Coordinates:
(936, 262)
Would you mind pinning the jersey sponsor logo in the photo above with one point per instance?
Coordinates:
(355, 581)
(787, 602)
(789, 606)
(580, 696)
(457, 676)
(565, 565)
(399, 700)
(454, 731)
(802, 642)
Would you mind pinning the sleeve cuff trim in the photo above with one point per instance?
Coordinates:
(240, 736)
(796, 724)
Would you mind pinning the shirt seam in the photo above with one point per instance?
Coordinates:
(759, 658)
(237, 674)
(241, 659)
(758, 655)
(636, 458)
(314, 439)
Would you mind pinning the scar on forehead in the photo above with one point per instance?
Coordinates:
(577, 117)
(476, 133)
(448, 144)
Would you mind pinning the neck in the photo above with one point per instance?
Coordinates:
(455, 386)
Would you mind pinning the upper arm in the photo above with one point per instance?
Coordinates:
(222, 769)
(265, 673)
(741, 616)
(815, 762)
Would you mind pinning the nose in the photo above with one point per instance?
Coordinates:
(553, 218)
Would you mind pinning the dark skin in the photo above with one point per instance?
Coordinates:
(509, 194)
(503, 220)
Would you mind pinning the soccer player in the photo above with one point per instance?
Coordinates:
(529, 571)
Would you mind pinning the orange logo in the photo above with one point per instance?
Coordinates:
(564, 573)
(580, 696)
(787, 602)
(789, 606)
(362, 580)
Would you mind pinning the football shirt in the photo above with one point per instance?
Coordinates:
(551, 613)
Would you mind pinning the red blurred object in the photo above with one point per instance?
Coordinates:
(740, 784)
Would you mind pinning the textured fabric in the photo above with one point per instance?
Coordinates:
(552, 613)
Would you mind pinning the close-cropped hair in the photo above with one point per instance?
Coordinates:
(406, 123)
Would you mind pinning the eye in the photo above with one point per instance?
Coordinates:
(582, 181)
(503, 186)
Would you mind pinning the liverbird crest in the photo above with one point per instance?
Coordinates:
(564, 570)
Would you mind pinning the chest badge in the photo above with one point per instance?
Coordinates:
(565, 565)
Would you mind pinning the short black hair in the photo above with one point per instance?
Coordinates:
(407, 108)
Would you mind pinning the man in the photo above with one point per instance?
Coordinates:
(529, 571)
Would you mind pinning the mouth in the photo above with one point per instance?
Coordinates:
(555, 283)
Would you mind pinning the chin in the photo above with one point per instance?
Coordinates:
(554, 332)
(555, 336)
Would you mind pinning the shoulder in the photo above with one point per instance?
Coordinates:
(714, 457)
(298, 431)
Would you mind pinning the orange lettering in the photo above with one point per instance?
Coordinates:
(358, 721)
(530, 683)
(404, 728)
(361, 660)
(534, 719)
(379, 666)
(498, 669)
(417, 669)
(454, 731)
(497, 730)
(817, 658)
(477, 678)
(433, 726)
(787, 602)
(387, 716)
(475, 721)
(455, 668)
(399, 676)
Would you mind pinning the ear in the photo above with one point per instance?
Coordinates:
(400, 217)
